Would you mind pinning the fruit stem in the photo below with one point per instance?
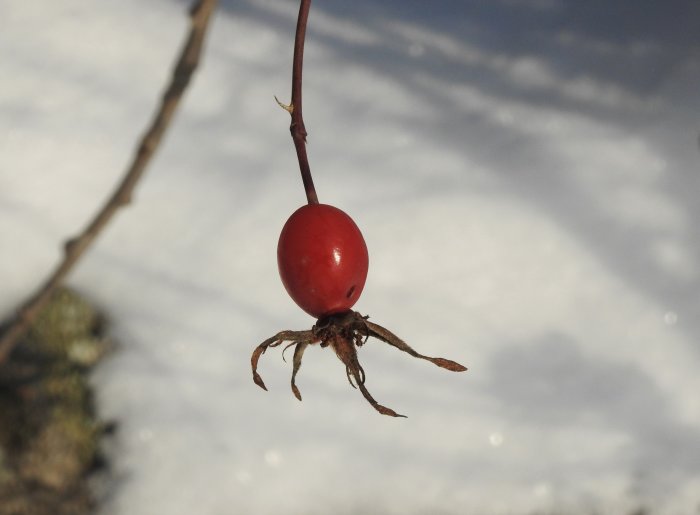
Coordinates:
(297, 127)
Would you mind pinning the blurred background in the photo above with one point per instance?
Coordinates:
(526, 175)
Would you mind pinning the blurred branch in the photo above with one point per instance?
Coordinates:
(188, 61)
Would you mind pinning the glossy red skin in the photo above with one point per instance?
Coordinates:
(322, 259)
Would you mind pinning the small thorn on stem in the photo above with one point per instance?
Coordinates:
(287, 107)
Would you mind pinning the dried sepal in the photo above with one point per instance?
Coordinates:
(380, 408)
(274, 341)
(298, 353)
(383, 334)
(347, 353)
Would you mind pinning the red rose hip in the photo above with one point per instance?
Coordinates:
(322, 259)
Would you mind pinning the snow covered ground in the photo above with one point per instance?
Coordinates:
(526, 177)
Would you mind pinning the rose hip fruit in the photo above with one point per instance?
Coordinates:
(322, 259)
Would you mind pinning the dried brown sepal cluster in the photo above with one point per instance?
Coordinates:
(343, 333)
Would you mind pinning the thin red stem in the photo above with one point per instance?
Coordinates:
(297, 127)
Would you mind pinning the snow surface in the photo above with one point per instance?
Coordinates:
(526, 177)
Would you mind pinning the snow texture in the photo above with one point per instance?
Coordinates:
(525, 173)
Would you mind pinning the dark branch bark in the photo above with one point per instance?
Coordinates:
(200, 14)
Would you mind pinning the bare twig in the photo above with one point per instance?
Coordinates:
(188, 61)
(297, 127)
